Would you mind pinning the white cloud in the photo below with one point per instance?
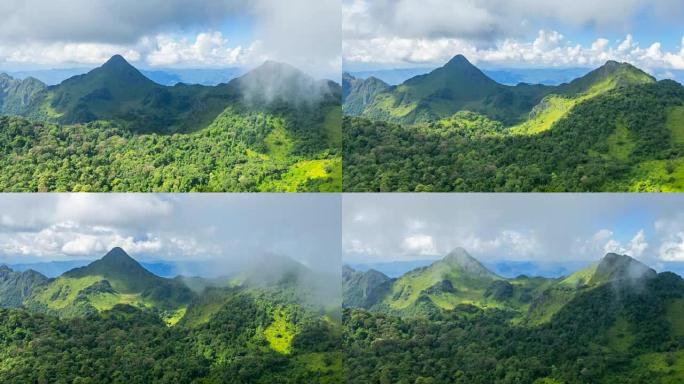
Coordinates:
(207, 49)
(673, 249)
(549, 48)
(420, 244)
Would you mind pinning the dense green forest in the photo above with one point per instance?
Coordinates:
(114, 322)
(454, 129)
(628, 139)
(273, 129)
(608, 325)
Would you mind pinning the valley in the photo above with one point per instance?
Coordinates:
(454, 321)
(455, 129)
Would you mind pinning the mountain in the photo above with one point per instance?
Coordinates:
(459, 279)
(614, 129)
(357, 93)
(16, 95)
(618, 321)
(163, 76)
(274, 128)
(15, 287)
(363, 289)
(114, 279)
(459, 85)
(119, 92)
(506, 76)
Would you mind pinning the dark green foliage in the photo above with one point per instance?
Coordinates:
(113, 129)
(470, 345)
(499, 290)
(129, 345)
(572, 156)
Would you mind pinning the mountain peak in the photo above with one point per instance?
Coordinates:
(460, 258)
(118, 255)
(117, 61)
(621, 267)
(459, 60)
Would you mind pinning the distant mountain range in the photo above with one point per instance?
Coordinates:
(458, 279)
(456, 321)
(116, 278)
(459, 85)
(503, 75)
(119, 92)
(164, 76)
(503, 268)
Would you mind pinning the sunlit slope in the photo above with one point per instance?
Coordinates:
(114, 279)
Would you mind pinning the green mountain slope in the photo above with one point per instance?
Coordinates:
(114, 279)
(15, 287)
(359, 93)
(17, 95)
(460, 86)
(623, 139)
(615, 321)
(274, 129)
(363, 289)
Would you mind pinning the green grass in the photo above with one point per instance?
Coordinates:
(620, 143)
(555, 107)
(172, 318)
(333, 126)
(620, 335)
(280, 333)
(675, 314)
(675, 123)
(327, 172)
(657, 176)
(62, 292)
(278, 142)
(326, 365)
(668, 367)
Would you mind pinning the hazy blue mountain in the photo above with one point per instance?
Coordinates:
(163, 76)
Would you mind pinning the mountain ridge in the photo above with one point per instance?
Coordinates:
(459, 85)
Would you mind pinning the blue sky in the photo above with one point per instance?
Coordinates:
(515, 33)
(542, 228)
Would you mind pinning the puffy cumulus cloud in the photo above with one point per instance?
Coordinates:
(672, 250)
(509, 243)
(603, 241)
(69, 239)
(115, 209)
(207, 49)
(549, 48)
(420, 244)
(635, 248)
